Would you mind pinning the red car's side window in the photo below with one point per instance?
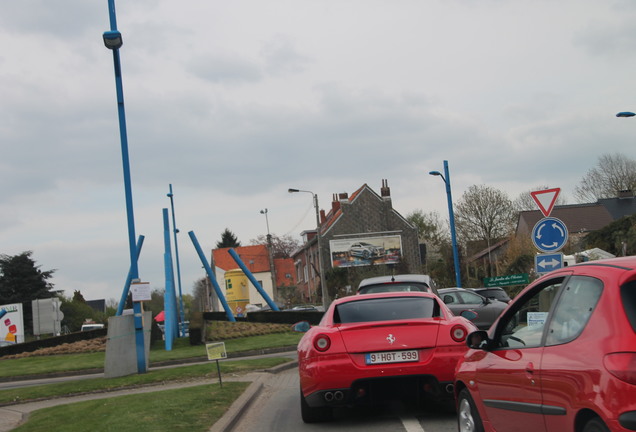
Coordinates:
(525, 326)
(576, 303)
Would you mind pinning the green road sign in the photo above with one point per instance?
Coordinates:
(515, 279)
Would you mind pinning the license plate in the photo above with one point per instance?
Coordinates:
(392, 357)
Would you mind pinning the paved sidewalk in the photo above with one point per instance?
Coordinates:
(13, 415)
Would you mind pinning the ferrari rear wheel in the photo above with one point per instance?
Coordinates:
(314, 415)
(468, 419)
(595, 425)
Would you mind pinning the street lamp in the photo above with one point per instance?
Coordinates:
(323, 281)
(270, 254)
(451, 215)
(113, 41)
(176, 251)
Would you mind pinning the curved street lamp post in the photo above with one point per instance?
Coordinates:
(323, 281)
(113, 41)
(451, 215)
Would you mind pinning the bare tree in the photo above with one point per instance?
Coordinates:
(612, 173)
(524, 201)
(200, 293)
(430, 227)
(484, 213)
(283, 246)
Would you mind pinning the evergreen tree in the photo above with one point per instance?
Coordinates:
(21, 280)
(78, 297)
(228, 240)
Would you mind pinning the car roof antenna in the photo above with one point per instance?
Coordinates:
(392, 272)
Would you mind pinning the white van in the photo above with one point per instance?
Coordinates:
(92, 326)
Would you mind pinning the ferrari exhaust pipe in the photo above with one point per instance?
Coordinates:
(329, 397)
(338, 395)
(450, 388)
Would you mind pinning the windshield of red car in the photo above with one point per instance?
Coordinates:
(386, 309)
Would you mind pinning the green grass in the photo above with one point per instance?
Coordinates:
(182, 373)
(191, 409)
(181, 350)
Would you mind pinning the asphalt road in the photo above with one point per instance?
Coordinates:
(277, 408)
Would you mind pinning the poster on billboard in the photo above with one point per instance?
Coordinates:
(365, 251)
(12, 323)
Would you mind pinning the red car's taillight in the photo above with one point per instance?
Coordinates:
(459, 333)
(322, 342)
(622, 366)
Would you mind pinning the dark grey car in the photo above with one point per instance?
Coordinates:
(460, 299)
(497, 293)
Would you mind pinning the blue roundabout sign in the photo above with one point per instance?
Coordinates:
(549, 234)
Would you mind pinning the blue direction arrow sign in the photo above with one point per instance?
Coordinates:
(544, 263)
(549, 234)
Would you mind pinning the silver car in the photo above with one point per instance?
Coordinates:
(403, 282)
(460, 299)
(365, 250)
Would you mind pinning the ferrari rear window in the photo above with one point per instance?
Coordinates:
(386, 309)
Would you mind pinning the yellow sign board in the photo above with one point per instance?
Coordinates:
(216, 350)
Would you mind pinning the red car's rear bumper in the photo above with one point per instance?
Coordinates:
(341, 379)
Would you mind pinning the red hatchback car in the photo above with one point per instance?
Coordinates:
(376, 347)
(562, 357)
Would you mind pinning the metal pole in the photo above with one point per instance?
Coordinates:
(451, 215)
(113, 41)
(212, 277)
(323, 280)
(176, 256)
(124, 295)
(270, 255)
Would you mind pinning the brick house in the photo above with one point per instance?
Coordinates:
(361, 229)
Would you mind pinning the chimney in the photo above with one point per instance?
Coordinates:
(323, 217)
(385, 191)
(335, 204)
(343, 196)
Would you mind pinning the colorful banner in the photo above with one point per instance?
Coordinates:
(12, 323)
(366, 251)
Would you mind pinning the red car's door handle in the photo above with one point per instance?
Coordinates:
(530, 368)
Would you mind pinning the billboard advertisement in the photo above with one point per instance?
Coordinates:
(12, 323)
(365, 251)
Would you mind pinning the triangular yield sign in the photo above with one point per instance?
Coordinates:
(545, 199)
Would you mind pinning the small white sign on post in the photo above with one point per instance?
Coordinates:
(141, 291)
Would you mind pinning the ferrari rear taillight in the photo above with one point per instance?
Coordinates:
(622, 366)
(322, 342)
(458, 333)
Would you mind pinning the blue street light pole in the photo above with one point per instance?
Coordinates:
(113, 41)
(176, 252)
(451, 215)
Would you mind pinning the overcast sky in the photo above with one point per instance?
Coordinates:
(235, 102)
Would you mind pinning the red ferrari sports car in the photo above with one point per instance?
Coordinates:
(376, 347)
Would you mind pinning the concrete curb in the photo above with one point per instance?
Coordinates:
(238, 408)
(242, 404)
